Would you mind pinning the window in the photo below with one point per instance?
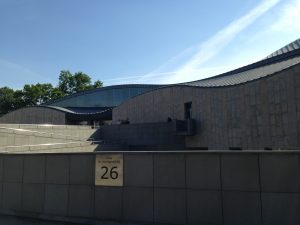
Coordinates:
(188, 110)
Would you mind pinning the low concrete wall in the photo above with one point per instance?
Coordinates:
(32, 137)
(13, 139)
(218, 188)
(67, 130)
(70, 147)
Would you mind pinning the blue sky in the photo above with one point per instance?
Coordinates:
(139, 41)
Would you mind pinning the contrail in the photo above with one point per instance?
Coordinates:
(208, 49)
(133, 78)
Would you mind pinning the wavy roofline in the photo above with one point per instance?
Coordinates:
(273, 59)
(118, 86)
(263, 62)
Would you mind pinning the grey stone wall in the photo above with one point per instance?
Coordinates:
(256, 188)
(261, 114)
(148, 136)
(34, 115)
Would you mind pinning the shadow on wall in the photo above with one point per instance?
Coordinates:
(12, 220)
(148, 136)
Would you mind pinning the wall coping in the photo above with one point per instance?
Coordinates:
(204, 152)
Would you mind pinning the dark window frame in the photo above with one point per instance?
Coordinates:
(188, 106)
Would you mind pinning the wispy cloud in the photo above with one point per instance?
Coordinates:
(133, 78)
(288, 18)
(279, 27)
(188, 63)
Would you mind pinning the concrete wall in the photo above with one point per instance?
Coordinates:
(43, 138)
(141, 136)
(76, 132)
(69, 147)
(256, 115)
(34, 115)
(219, 188)
(8, 138)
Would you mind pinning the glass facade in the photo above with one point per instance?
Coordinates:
(103, 97)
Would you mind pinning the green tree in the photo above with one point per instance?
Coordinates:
(70, 84)
(57, 93)
(82, 82)
(19, 101)
(98, 84)
(66, 83)
(36, 94)
(6, 100)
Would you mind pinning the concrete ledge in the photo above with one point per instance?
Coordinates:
(209, 152)
(51, 126)
(39, 134)
(50, 148)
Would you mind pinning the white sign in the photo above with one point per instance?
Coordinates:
(109, 170)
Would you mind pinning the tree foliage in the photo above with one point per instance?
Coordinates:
(36, 94)
(70, 84)
(98, 84)
(6, 99)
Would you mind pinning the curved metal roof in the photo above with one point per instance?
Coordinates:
(104, 114)
(282, 59)
(247, 75)
(288, 48)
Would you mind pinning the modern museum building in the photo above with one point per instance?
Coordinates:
(253, 107)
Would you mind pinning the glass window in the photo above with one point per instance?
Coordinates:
(106, 97)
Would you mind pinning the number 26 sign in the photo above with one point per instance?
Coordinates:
(109, 170)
